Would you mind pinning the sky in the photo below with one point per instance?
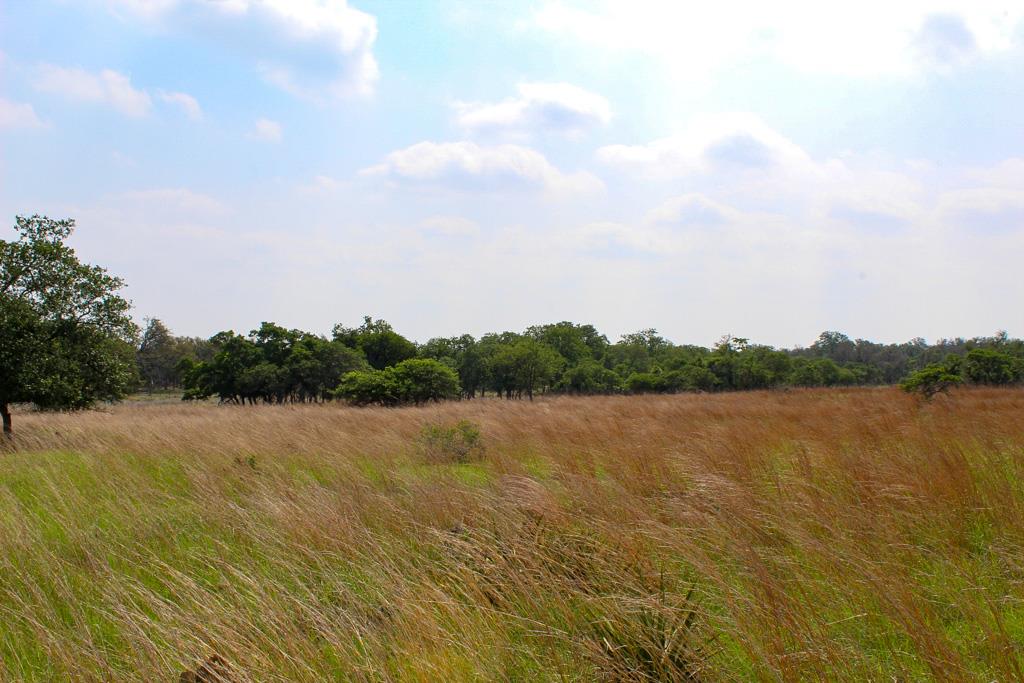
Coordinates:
(766, 170)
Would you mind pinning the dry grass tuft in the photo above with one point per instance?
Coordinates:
(800, 535)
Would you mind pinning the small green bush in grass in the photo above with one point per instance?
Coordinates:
(459, 442)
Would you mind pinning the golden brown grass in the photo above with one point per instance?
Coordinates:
(802, 535)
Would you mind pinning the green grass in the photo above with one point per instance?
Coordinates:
(867, 540)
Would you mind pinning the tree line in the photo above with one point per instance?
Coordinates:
(374, 364)
(67, 340)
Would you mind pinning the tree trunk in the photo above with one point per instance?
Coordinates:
(5, 411)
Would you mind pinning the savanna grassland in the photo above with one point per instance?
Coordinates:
(800, 535)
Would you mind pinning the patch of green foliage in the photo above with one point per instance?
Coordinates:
(417, 380)
(460, 442)
(936, 378)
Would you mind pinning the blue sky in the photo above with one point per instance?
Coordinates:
(769, 172)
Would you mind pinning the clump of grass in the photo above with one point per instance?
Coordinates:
(458, 443)
(650, 638)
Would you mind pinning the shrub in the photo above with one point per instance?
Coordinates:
(645, 383)
(452, 443)
(419, 380)
(985, 366)
(412, 381)
(690, 378)
(366, 387)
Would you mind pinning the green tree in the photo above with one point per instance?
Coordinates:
(66, 336)
(986, 366)
(315, 365)
(589, 377)
(382, 346)
(419, 380)
(935, 378)
(159, 357)
(574, 343)
(221, 375)
(528, 366)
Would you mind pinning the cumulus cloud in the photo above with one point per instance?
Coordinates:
(854, 39)
(108, 87)
(468, 166)
(739, 159)
(691, 210)
(18, 115)
(188, 104)
(307, 47)
(736, 141)
(540, 107)
(267, 130)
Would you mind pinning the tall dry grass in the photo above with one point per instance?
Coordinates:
(802, 535)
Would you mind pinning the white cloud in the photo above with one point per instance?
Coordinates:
(680, 225)
(738, 157)
(977, 210)
(1008, 173)
(108, 87)
(307, 47)
(18, 115)
(267, 130)
(868, 38)
(188, 104)
(691, 210)
(469, 166)
(450, 226)
(176, 200)
(540, 107)
(323, 185)
(944, 40)
(736, 141)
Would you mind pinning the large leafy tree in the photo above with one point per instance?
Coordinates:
(159, 356)
(66, 336)
(528, 366)
(378, 340)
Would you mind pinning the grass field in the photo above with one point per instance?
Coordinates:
(802, 535)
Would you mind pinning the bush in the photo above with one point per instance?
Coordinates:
(452, 443)
(417, 380)
(368, 387)
(645, 383)
(985, 366)
(690, 378)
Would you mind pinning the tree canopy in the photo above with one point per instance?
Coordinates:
(66, 336)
